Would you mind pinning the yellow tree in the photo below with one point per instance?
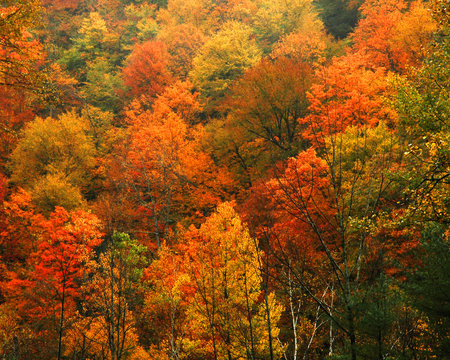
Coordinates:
(167, 301)
(54, 160)
(275, 19)
(229, 309)
(223, 58)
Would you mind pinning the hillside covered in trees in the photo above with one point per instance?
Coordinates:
(224, 180)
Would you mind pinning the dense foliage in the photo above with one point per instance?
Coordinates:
(224, 179)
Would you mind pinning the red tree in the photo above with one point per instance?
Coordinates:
(147, 71)
(52, 284)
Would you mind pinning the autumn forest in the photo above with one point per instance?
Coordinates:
(224, 180)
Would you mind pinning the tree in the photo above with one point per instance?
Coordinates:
(114, 293)
(140, 22)
(206, 16)
(413, 35)
(53, 161)
(422, 100)
(307, 45)
(223, 265)
(164, 166)
(392, 36)
(223, 58)
(375, 29)
(94, 40)
(347, 92)
(52, 287)
(21, 78)
(182, 100)
(275, 19)
(19, 229)
(269, 99)
(167, 301)
(102, 86)
(194, 13)
(334, 199)
(263, 109)
(147, 70)
(19, 52)
(183, 41)
(15, 112)
(62, 19)
(428, 287)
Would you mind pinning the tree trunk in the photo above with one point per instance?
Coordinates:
(111, 309)
(351, 333)
(61, 320)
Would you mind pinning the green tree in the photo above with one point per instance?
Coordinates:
(339, 16)
(94, 40)
(140, 23)
(422, 100)
(429, 287)
(113, 295)
(102, 85)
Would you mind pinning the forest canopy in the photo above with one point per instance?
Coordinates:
(224, 179)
